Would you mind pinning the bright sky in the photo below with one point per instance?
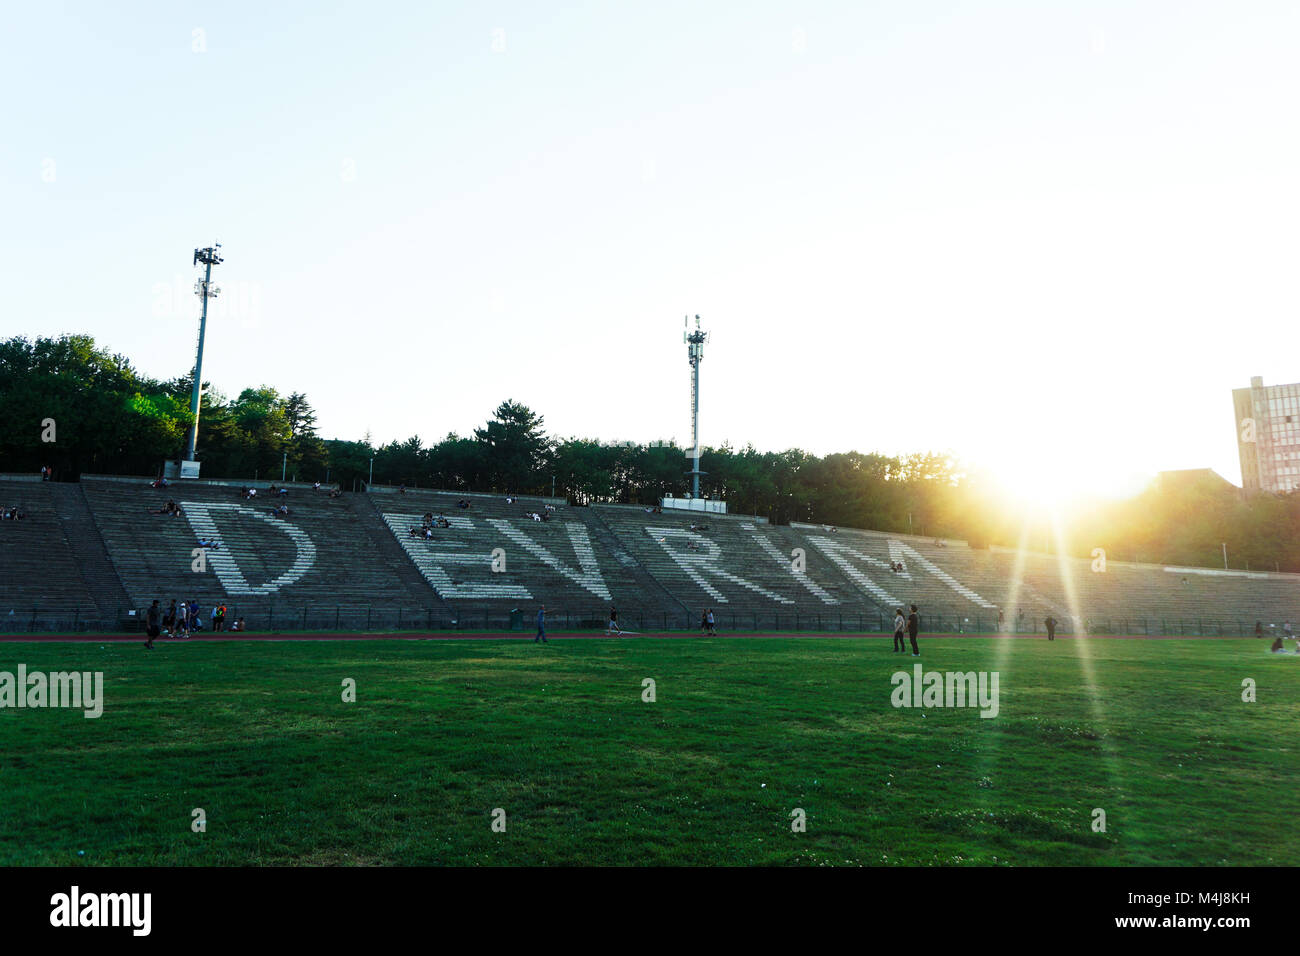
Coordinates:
(1049, 238)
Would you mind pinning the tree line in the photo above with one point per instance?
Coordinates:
(109, 418)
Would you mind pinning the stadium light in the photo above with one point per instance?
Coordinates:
(695, 355)
(204, 288)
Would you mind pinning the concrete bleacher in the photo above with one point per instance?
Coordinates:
(1158, 599)
(87, 553)
(41, 584)
(955, 587)
(741, 569)
(958, 587)
(321, 566)
(495, 559)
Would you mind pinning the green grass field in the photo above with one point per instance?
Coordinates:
(1154, 732)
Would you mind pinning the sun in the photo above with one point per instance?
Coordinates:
(1042, 489)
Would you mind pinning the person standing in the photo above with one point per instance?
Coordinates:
(914, 628)
(613, 622)
(541, 625)
(1051, 628)
(153, 619)
(708, 619)
(900, 624)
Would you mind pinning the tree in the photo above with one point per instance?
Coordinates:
(101, 414)
(515, 448)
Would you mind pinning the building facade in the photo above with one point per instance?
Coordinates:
(1268, 436)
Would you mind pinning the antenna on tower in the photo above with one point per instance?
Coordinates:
(209, 257)
(695, 354)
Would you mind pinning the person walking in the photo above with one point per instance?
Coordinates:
(914, 628)
(708, 619)
(1051, 628)
(613, 622)
(541, 625)
(900, 625)
(153, 619)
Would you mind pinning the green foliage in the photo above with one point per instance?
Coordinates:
(515, 449)
(106, 416)
(109, 418)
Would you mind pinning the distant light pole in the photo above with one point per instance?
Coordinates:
(695, 353)
(1225, 555)
(372, 471)
(204, 288)
(284, 466)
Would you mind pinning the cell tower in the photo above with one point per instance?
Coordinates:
(695, 352)
(204, 288)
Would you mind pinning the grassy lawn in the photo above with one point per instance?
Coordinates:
(1155, 733)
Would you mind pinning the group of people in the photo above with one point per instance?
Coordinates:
(611, 628)
(171, 509)
(427, 524)
(249, 493)
(181, 621)
(897, 567)
(12, 513)
(1277, 646)
(1286, 629)
(911, 625)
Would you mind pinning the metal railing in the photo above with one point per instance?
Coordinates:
(279, 617)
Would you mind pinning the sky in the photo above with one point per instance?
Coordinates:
(1049, 239)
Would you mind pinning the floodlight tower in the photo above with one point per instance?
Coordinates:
(695, 353)
(203, 288)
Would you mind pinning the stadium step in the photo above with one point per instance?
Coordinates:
(606, 538)
(87, 545)
(367, 511)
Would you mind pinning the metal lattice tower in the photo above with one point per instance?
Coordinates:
(203, 288)
(695, 353)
